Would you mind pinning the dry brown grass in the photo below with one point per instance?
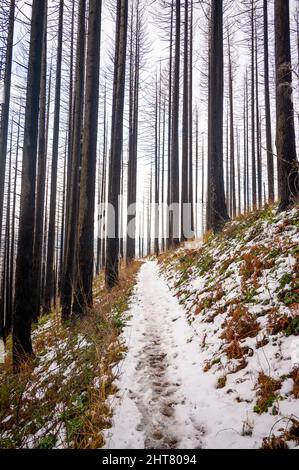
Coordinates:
(240, 324)
(234, 350)
(274, 443)
(44, 398)
(266, 392)
(295, 377)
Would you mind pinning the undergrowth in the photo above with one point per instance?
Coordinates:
(59, 400)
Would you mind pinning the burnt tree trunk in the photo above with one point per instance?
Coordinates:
(5, 107)
(216, 206)
(112, 243)
(83, 294)
(174, 164)
(270, 165)
(23, 313)
(49, 288)
(285, 131)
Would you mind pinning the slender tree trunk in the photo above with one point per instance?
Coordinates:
(185, 133)
(191, 196)
(285, 131)
(247, 142)
(258, 134)
(231, 134)
(70, 141)
(157, 173)
(174, 167)
(253, 158)
(12, 249)
(6, 287)
(163, 175)
(112, 248)
(133, 140)
(244, 151)
(239, 173)
(196, 171)
(72, 221)
(5, 107)
(83, 294)
(23, 313)
(49, 289)
(41, 178)
(270, 165)
(216, 207)
(168, 244)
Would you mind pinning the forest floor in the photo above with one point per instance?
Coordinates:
(213, 357)
(158, 404)
(59, 398)
(196, 349)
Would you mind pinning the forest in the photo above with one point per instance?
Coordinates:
(149, 224)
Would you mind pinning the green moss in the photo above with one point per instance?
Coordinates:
(265, 404)
(221, 382)
(47, 442)
(293, 327)
(6, 443)
(216, 361)
(205, 263)
(249, 295)
(289, 298)
(285, 280)
(274, 253)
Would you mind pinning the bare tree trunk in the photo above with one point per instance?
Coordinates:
(191, 196)
(185, 131)
(253, 158)
(258, 134)
(216, 207)
(174, 168)
(156, 186)
(163, 175)
(70, 141)
(133, 140)
(72, 220)
(49, 289)
(12, 249)
(23, 313)
(285, 131)
(5, 107)
(169, 125)
(83, 294)
(41, 178)
(112, 247)
(231, 134)
(270, 165)
(244, 151)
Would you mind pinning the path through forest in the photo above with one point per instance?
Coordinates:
(158, 404)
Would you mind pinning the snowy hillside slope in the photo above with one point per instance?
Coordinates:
(240, 290)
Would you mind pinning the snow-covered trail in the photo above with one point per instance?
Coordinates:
(158, 403)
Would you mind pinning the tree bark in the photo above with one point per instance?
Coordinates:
(174, 169)
(5, 107)
(49, 288)
(270, 165)
(22, 346)
(285, 131)
(83, 299)
(216, 206)
(112, 243)
(72, 220)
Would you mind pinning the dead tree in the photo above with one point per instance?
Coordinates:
(285, 132)
(23, 312)
(216, 206)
